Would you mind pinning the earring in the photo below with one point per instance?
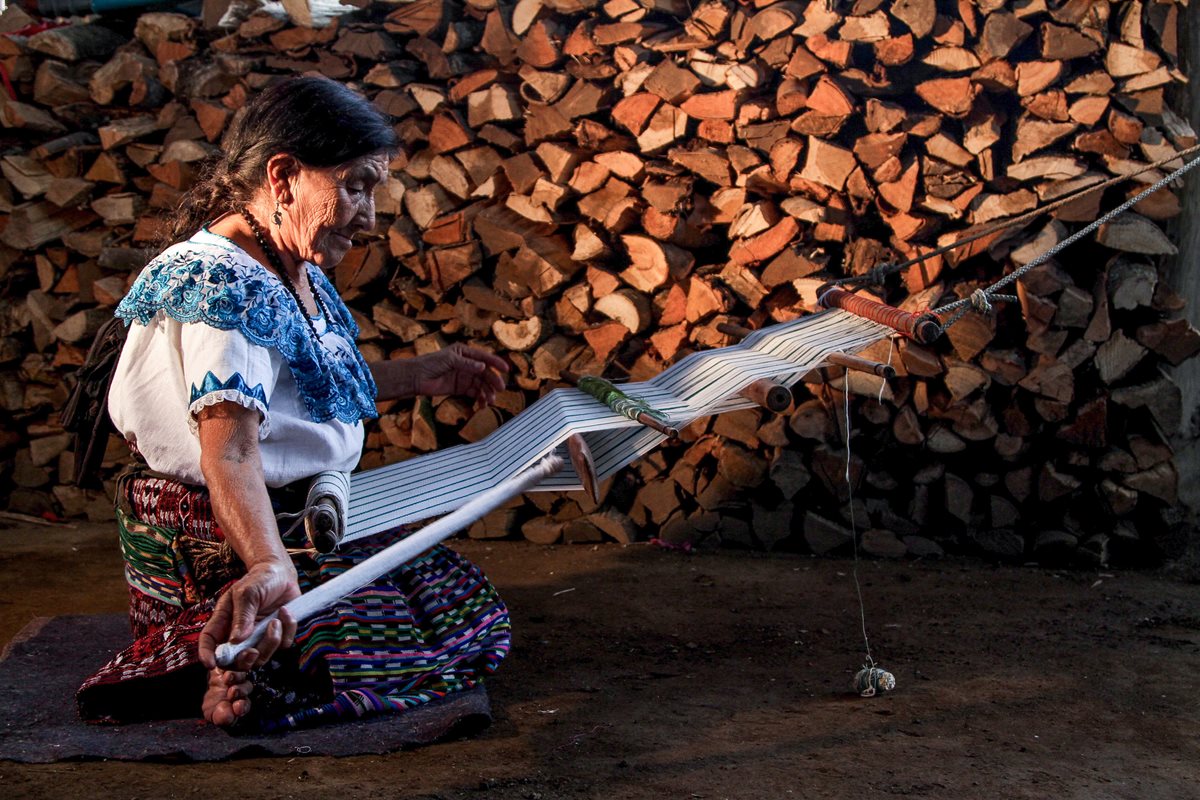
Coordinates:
(277, 217)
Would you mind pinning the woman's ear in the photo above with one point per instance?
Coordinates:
(282, 170)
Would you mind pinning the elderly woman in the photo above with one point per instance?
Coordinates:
(239, 380)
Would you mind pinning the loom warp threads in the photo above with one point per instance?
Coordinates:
(700, 384)
(872, 680)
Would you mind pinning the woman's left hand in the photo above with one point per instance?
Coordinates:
(459, 370)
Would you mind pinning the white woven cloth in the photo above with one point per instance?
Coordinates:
(699, 385)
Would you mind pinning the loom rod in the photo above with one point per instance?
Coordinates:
(924, 328)
(650, 422)
(862, 365)
(769, 394)
(403, 551)
(733, 329)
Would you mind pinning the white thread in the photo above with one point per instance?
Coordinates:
(883, 383)
(862, 608)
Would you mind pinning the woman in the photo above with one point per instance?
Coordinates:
(239, 380)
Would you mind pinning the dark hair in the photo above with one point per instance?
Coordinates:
(318, 121)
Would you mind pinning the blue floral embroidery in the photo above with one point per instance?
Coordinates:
(236, 382)
(218, 285)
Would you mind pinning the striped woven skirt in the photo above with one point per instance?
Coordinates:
(433, 627)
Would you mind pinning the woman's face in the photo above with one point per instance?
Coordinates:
(329, 205)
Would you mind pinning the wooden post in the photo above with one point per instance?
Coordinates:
(1184, 279)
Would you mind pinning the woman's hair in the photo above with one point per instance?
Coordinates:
(319, 122)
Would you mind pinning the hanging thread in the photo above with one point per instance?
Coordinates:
(883, 383)
(871, 679)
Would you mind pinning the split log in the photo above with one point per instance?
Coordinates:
(630, 308)
(77, 42)
(651, 262)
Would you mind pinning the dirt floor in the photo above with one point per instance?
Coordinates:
(644, 673)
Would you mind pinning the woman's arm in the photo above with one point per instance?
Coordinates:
(394, 380)
(457, 369)
(232, 467)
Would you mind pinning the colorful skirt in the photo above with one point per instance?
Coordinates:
(433, 627)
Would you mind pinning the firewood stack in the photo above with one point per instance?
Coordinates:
(595, 187)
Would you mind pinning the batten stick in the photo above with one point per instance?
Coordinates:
(403, 551)
(585, 465)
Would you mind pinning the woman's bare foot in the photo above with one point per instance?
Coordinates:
(227, 698)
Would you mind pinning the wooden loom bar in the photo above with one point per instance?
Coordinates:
(651, 422)
(734, 329)
(862, 365)
(770, 395)
(401, 552)
(924, 328)
(663, 428)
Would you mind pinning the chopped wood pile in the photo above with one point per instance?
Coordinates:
(598, 186)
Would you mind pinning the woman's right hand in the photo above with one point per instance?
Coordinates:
(232, 466)
(263, 590)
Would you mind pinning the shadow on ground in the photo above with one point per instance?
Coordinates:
(643, 673)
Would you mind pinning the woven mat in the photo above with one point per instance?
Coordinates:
(44, 665)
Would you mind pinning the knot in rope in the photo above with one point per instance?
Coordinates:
(875, 276)
(880, 272)
(981, 301)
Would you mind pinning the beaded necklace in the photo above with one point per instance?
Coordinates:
(272, 254)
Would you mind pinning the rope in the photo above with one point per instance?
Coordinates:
(981, 299)
(880, 272)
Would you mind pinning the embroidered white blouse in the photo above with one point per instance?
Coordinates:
(210, 324)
